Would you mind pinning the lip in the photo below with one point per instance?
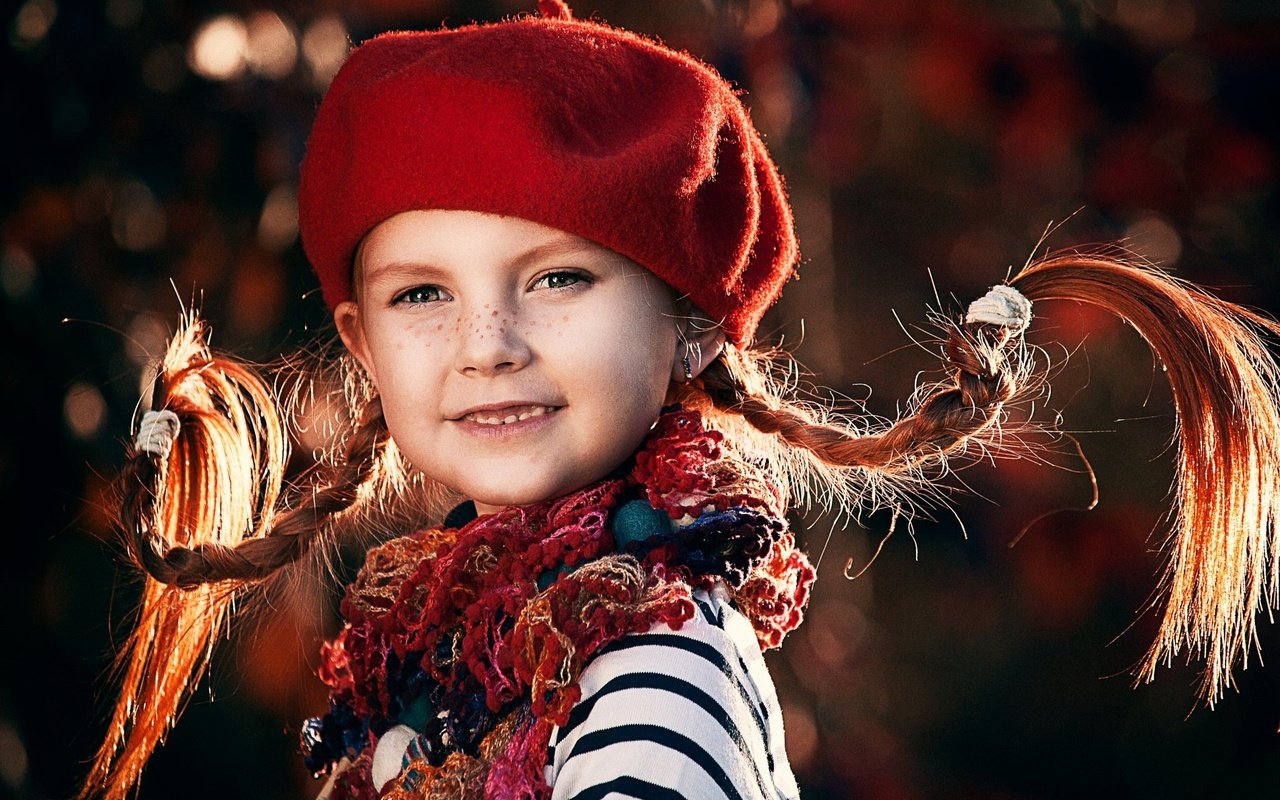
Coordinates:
(522, 427)
(505, 405)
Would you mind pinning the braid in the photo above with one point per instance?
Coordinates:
(204, 520)
(1224, 546)
(983, 381)
(290, 534)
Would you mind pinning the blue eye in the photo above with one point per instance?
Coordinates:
(563, 279)
(419, 295)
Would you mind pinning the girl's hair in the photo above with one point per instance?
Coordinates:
(1224, 553)
(214, 517)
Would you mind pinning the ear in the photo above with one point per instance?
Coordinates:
(700, 343)
(346, 317)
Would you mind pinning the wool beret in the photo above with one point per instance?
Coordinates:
(570, 123)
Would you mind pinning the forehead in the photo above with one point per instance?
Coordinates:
(447, 238)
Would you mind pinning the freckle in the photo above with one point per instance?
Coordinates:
(440, 327)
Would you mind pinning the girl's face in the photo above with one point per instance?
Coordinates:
(515, 362)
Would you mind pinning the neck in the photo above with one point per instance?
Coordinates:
(621, 471)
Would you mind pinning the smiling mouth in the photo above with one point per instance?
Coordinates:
(508, 416)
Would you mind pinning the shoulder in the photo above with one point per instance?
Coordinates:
(711, 650)
(696, 700)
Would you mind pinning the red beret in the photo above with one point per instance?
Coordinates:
(569, 123)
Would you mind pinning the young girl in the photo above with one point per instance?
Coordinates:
(547, 245)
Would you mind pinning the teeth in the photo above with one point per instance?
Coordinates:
(510, 418)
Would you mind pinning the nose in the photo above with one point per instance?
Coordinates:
(490, 343)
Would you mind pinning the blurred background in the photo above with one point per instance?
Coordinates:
(150, 152)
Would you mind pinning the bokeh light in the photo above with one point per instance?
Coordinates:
(801, 735)
(145, 339)
(1153, 239)
(138, 221)
(218, 48)
(278, 223)
(13, 757)
(271, 47)
(31, 24)
(325, 45)
(84, 409)
(18, 272)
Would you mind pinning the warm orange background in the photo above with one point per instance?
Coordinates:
(927, 143)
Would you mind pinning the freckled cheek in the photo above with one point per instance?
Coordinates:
(423, 335)
(554, 324)
(436, 331)
(599, 326)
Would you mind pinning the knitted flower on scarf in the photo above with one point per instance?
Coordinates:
(474, 637)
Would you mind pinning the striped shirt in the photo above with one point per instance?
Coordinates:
(676, 714)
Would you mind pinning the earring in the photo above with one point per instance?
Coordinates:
(688, 368)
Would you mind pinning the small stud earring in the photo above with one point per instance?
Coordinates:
(688, 368)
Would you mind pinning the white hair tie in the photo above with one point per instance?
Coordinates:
(1003, 306)
(156, 432)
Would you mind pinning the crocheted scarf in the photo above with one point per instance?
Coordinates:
(474, 637)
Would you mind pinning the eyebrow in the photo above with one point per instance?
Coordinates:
(555, 247)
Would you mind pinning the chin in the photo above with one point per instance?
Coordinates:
(500, 497)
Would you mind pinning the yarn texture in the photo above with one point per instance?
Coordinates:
(570, 123)
(459, 634)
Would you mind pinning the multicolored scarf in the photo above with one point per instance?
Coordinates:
(475, 636)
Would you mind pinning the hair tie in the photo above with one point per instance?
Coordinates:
(1004, 306)
(156, 432)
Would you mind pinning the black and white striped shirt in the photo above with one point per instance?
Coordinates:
(676, 714)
